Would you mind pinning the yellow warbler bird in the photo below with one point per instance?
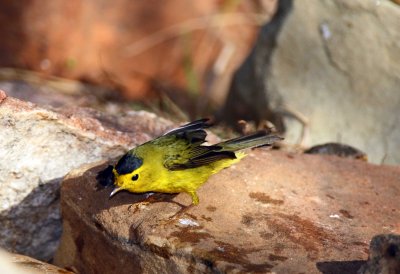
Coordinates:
(177, 161)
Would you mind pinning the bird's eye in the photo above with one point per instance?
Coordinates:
(135, 177)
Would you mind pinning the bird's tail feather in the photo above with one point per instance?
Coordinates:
(260, 138)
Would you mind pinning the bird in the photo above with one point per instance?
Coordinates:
(178, 161)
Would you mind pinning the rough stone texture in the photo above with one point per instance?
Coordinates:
(334, 65)
(272, 212)
(247, 98)
(337, 63)
(38, 147)
(384, 255)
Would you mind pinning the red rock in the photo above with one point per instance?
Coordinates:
(268, 213)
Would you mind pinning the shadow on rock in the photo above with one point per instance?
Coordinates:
(344, 267)
(33, 227)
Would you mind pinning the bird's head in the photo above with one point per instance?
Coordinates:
(127, 173)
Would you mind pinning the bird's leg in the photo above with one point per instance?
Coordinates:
(181, 211)
(195, 201)
(195, 198)
(148, 200)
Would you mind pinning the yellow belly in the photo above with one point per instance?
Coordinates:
(154, 177)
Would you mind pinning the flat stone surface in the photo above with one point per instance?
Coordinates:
(272, 212)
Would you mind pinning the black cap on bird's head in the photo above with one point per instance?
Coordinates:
(127, 164)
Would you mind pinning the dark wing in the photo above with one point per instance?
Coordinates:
(207, 155)
(258, 139)
(184, 150)
(197, 125)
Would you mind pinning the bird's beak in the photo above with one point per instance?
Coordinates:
(117, 189)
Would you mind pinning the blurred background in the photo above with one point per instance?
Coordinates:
(142, 50)
(317, 71)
